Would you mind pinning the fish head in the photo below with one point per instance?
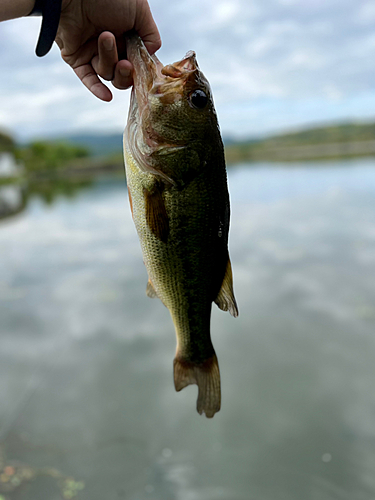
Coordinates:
(171, 106)
(180, 100)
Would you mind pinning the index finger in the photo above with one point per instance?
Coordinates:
(80, 61)
(90, 79)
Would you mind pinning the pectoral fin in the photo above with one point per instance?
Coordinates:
(225, 299)
(150, 290)
(156, 213)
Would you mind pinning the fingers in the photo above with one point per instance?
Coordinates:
(94, 54)
(80, 61)
(90, 79)
(93, 61)
(123, 78)
(105, 62)
(107, 65)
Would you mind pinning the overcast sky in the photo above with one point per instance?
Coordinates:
(272, 64)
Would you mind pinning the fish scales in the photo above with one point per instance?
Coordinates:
(180, 206)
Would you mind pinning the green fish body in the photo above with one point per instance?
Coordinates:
(177, 187)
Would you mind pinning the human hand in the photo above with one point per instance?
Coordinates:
(91, 40)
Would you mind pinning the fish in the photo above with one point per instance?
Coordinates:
(178, 194)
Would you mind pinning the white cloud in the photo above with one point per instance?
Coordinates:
(224, 12)
(306, 59)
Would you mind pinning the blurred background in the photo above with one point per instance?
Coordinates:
(87, 404)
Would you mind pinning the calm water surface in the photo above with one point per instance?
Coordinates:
(86, 389)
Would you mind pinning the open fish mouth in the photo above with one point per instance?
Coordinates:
(151, 77)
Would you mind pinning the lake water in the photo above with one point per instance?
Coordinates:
(87, 403)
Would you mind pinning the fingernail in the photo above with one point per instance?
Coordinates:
(108, 43)
(124, 72)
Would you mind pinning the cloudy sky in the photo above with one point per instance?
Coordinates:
(274, 65)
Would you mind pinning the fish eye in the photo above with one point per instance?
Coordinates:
(198, 99)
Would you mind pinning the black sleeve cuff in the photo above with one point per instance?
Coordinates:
(50, 10)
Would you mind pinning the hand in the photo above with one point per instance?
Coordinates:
(91, 40)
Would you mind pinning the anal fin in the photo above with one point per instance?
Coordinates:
(207, 377)
(225, 299)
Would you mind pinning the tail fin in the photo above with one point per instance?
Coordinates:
(207, 377)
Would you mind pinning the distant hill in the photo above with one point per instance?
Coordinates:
(325, 142)
(97, 144)
(327, 134)
(328, 142)
(333, 141)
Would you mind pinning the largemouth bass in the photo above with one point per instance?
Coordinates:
(178, 194)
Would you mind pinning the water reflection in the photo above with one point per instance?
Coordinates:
(50, 189)
(14, 196)
(86, 358)
(12, 200)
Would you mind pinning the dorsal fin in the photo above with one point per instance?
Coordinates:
(225, 299)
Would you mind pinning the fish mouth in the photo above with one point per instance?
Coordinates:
(152, 78)
(148, 69)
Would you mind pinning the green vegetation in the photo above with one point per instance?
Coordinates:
(6, 143)
(49, 189)
(49, 156)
